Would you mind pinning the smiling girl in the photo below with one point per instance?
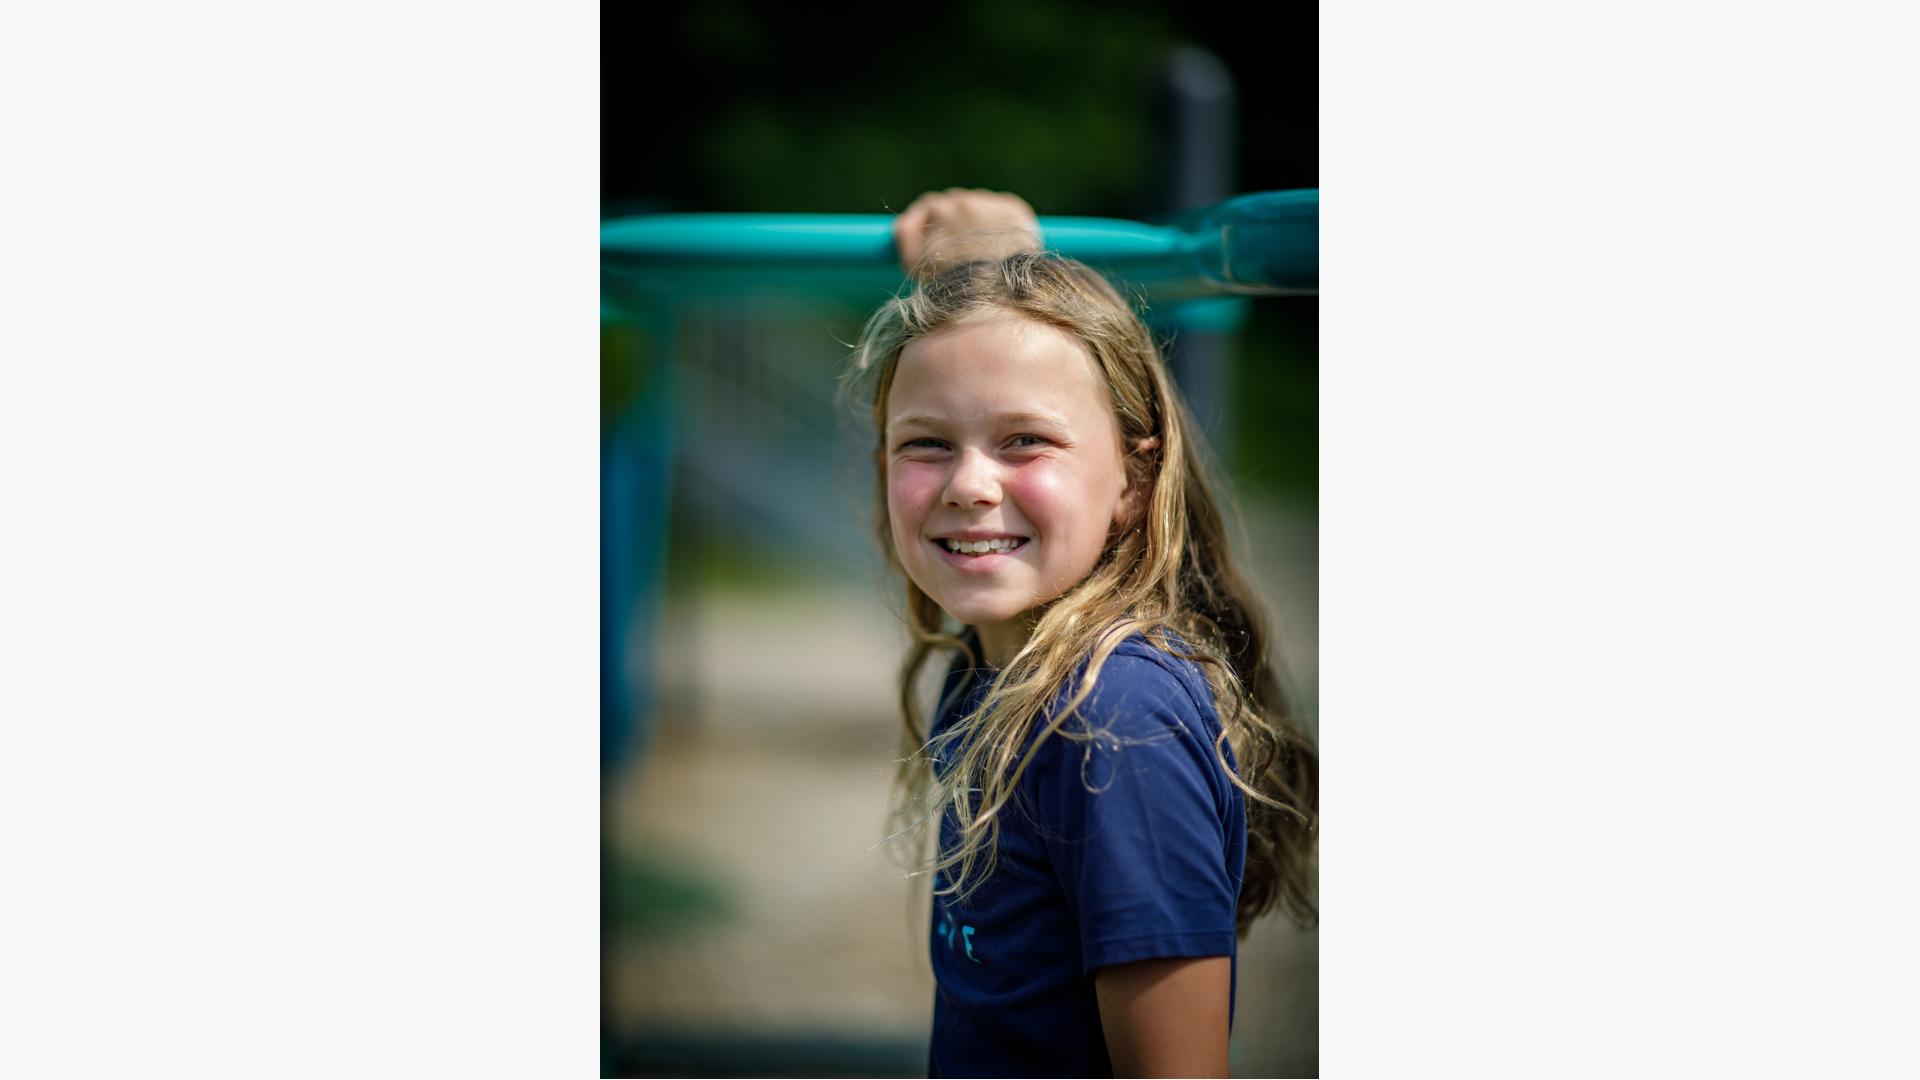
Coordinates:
(1118, 791)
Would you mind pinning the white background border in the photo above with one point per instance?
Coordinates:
(298, 419)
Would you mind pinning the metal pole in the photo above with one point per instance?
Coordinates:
(1201, 118)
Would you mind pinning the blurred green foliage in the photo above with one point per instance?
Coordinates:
(1056, 101)
(1276, 401)
(646, 894)
(708, 558)
(626, 363)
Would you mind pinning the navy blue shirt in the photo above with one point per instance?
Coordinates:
(1129, 847)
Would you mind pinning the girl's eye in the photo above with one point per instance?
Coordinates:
(922, 444)
(1026, 442)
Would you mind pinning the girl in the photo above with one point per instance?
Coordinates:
(1118, 789)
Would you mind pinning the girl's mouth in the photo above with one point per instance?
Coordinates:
(994, 552)
(982, 547)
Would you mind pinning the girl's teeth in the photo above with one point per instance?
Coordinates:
(980, 547)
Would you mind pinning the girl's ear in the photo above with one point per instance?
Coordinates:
(1139, 472)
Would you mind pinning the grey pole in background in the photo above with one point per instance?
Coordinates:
(1201, 171)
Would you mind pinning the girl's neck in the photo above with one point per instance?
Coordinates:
(1000, 641)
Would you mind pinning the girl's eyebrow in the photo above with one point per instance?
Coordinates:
(929, 420)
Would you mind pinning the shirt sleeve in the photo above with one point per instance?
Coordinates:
(1134, 820)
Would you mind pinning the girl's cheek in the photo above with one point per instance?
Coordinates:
(910, 488)
(1040, 489)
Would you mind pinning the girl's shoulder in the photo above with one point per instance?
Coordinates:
(1147, 719)
(1143, 685)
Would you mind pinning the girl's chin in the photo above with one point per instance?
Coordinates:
(969, 616)
(979, 614)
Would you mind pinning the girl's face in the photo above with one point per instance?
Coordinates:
(1000, 429)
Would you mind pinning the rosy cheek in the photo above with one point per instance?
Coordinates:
(912, 488)
(1041, 489)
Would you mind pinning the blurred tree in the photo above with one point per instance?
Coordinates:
(752, 106)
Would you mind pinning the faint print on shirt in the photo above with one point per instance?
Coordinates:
(947, 928)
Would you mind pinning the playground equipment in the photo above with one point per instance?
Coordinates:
(1193, 271)
(1251, 245)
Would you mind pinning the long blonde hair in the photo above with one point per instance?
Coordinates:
(1167, 573)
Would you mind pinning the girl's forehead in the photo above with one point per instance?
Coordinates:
(998, 361)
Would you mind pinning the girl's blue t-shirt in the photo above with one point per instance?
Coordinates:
(1127, 847)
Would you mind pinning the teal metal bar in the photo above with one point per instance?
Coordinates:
(1261, 244)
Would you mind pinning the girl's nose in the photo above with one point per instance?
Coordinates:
(975, 481)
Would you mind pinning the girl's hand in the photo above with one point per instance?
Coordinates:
(942, 229)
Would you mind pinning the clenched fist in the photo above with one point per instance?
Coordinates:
(942, 229)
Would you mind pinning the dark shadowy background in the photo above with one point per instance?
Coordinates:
(863, 106)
